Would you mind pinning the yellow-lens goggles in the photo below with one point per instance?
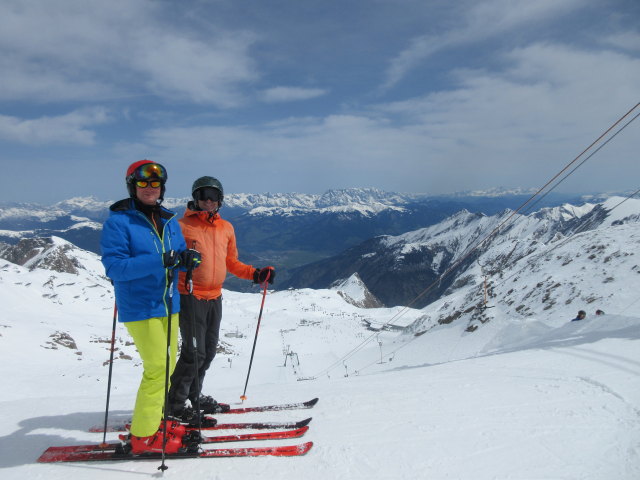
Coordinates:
(145, 184)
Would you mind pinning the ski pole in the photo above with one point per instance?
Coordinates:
(188, 283)
(113, 340)
(163, 467)
(243, 397)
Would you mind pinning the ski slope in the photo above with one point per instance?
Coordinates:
(539, 400)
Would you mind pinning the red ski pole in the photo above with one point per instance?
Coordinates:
(243, 397)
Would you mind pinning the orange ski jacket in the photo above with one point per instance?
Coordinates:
(215, 239)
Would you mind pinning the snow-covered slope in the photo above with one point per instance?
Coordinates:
(525, 395)
(532, 270)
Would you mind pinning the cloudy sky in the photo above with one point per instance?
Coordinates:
(428, 96)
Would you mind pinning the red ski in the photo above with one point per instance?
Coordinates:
(96, 447)
(54, 454)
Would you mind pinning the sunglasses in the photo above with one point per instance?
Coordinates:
(145, 184)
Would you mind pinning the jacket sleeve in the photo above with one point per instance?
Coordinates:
(118, 262)
(234, 265)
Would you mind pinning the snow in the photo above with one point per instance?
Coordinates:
(523, 396)
(362, 209)
(540, 402)
(353, 287)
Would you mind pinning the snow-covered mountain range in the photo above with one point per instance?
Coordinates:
(397, 269)
(271, 224)
(365, 200)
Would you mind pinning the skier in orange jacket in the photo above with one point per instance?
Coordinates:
(215, 239)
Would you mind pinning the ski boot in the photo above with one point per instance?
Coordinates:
(189, 417)
(154, 443)
(209, 405)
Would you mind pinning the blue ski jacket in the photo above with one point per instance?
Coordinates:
(132, 257)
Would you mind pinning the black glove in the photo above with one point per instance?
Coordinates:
(190, 259)
(264, 274)
(170, 259)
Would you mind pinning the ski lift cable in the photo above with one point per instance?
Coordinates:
(472, 248)
(497, 229)
(629, 306)
(628, 197)
(582, 227)
(530, 208)
(570, 238)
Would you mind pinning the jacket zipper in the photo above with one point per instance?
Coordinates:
(166, 275)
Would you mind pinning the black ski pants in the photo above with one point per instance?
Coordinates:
(206, 314)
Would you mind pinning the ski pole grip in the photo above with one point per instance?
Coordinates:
(188, 280)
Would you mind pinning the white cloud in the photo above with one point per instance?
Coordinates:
(517, 127)
(71, 128)
(204, 72)
(94, 50)
(33, 81)
(626, 40)
(474, 23)
(288, 94)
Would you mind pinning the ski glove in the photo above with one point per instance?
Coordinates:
(190, 259)
(170, 259)
(264, 274)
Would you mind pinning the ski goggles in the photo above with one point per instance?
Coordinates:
(145, 183)
(149, 171)
(204, 194)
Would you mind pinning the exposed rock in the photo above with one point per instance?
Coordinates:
(61, 339)
(41, 253)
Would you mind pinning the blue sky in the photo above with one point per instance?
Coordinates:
(307, 95)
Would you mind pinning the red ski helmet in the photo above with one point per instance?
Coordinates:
(145, 170)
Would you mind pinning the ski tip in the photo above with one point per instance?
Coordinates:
(304, 447)
(311, 403)
(303, 423)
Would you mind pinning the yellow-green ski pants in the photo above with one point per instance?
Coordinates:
(150, 337)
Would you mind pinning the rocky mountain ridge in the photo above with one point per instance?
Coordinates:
(397, 269)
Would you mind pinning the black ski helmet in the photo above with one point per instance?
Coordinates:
(207, 182)
(145, 170)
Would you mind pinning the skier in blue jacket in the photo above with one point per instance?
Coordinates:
(141, 246)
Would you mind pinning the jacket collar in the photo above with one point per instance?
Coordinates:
(129, 204)
(200, 214)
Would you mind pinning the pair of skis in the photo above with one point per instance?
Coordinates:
(240, 426)
(113, 451)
